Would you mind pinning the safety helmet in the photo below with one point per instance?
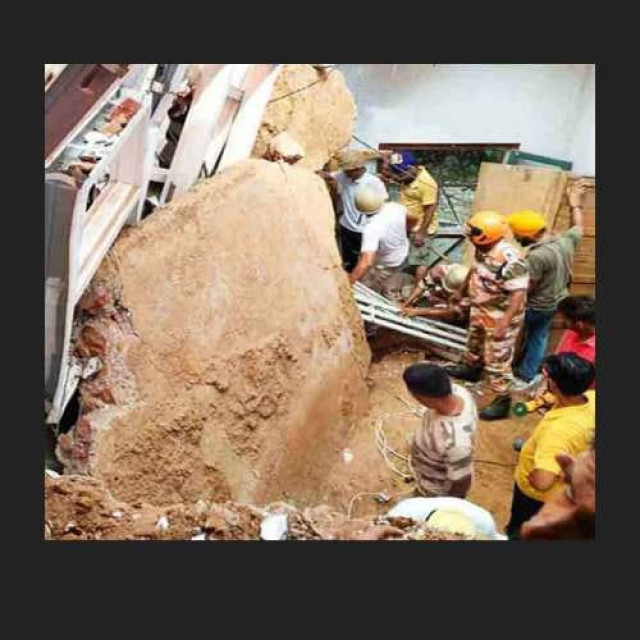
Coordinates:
(486, 227)
(527, 223)
(451, 521)
(368, 200)
(454, 277)
(352, 159)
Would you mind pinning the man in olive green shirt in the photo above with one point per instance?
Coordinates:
(550, 260)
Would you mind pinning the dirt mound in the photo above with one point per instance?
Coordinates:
(319, 116)
(81, 508)
(233, 356)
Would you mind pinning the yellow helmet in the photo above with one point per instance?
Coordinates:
(486, 227)
(526, 224)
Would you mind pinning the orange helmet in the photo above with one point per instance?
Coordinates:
(486, 227)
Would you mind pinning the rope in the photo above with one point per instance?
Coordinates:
(308, 86)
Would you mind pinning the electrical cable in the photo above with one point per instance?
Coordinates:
(308, 86)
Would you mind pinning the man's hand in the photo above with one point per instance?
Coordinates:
(419, 239)
(409, 312)
(576, 193)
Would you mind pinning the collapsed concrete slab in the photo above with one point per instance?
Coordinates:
(233, 355)
(319, 113)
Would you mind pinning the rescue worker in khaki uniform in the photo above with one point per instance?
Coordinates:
(440, 292)
(498, 285)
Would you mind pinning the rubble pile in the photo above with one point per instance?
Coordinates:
(81, 508)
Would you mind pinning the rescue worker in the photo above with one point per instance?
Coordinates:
(352, 222)
(385, 244)
(440, 290)
(498, 284)
(419, 194)
(549, 259)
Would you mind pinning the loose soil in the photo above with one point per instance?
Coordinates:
(360, 468)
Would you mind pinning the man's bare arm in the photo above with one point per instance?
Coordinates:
(442, 313)
(576, 195)
(365, 262)
(542, 480)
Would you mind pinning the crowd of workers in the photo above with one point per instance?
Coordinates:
(513, 287)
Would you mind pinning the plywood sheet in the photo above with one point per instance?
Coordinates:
(506, 188)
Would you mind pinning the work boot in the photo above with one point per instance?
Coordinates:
(498, 409)
(465, 372)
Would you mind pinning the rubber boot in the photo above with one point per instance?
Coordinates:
(465, 372)
(498, 409)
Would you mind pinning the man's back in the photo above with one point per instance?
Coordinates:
(386, 234)
(550, 263)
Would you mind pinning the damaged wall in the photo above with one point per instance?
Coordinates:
(548, 108)
(233, 354)
(320, 117)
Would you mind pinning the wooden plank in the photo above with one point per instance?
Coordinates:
(584, 262)
(583, 289)
(508, 188)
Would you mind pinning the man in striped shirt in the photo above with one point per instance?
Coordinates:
(443, 446)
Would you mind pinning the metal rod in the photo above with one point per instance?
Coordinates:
(417, 323)
(359, 287)
(453, 209)
(407, 322)
(411, 322)
(411, 332)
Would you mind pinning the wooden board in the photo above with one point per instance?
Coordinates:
(507, 188)
(584, 264)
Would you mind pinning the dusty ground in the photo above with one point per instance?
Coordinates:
(368, 473)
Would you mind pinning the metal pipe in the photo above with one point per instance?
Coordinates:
(407, 322)
(366, 295)
(411, 332)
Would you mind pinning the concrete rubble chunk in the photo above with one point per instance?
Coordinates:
(319, 113)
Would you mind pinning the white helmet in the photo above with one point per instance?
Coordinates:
(454, 277)
(368, 200)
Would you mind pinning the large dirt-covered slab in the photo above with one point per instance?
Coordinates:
(233, 356)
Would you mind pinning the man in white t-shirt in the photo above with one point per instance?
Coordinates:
(443, 446)
(385, 242)
(352, 221)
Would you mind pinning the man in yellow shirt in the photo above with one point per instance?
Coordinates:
(567, 428)
(419, 194)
